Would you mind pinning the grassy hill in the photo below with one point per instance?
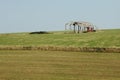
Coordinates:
(103, 38)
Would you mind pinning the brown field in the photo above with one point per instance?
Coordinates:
(58, 65)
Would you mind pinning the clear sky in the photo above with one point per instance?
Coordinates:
(51, 15)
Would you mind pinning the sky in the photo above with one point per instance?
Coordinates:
(51, 15)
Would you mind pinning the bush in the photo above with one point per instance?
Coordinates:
(40, 32)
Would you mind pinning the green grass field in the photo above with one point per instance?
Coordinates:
(103, 38)
(56, 65)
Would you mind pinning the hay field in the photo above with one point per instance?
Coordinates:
(58, 65)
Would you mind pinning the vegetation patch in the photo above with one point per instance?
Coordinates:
(53, 48)
(39, 32)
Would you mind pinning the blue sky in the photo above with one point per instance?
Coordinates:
(51, 15)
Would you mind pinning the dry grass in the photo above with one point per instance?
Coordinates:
(54, 65)
(57, 48)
